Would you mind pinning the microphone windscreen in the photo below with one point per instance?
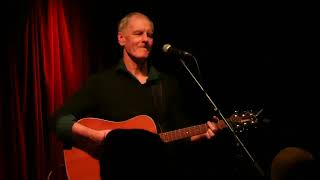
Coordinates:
(166, 48)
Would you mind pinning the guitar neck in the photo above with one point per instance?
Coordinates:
(183, 133)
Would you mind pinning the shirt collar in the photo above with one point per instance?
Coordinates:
(153, 73)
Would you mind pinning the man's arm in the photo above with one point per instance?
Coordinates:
(80, 104)
(74, 134)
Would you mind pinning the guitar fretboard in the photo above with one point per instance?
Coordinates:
(183, 133)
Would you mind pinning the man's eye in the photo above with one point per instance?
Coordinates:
(138, 33)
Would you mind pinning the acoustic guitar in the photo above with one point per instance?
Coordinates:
(80, 165)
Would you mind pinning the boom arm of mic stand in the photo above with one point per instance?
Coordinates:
(225, 121)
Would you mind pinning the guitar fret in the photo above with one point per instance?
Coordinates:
(183, 133)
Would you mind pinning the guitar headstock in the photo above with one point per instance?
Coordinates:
(243, 121)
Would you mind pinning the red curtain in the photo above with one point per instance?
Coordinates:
(47, 62)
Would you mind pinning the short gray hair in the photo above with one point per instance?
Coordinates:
(124, 21)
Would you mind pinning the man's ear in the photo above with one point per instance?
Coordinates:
(121, 39)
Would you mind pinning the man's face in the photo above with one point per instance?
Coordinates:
(137, 38)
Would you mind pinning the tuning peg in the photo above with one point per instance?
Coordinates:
(259, 112)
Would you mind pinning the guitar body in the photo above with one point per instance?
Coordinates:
(82, 166)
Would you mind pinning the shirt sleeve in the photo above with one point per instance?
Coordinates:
(77, 106)
(64, 128)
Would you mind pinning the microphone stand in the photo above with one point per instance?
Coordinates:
(225, 121)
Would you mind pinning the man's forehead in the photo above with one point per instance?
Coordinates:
(139, 22)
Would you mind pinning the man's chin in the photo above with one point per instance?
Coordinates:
(142, 57)
(140, 60)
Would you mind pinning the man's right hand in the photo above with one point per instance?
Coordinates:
(96, 136)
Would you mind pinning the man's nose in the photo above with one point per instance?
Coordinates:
(145, 37)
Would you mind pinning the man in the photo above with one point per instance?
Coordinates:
(134, 87)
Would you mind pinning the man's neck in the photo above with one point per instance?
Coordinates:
(138, 70)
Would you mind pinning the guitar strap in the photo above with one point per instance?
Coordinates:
(159, 101)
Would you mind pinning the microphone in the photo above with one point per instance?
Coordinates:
(167, 48)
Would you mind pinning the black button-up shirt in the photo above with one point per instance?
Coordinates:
(116, 95)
